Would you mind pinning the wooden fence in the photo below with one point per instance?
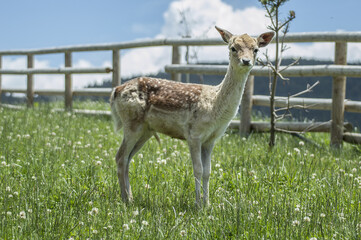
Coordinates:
(338, 104)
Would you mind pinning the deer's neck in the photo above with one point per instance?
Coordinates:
(230, 92)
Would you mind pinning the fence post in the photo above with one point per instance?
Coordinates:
(116, 81)
(0, 76)
(176, 59)
(68, 94)
(246, 107)
(338, 97)
(30, 82)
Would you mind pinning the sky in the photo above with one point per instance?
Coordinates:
(42, 23)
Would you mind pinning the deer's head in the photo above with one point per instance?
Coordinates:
(243, 48)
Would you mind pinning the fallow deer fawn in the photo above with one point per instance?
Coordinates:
(196, 113)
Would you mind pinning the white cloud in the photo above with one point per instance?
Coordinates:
(201, 16)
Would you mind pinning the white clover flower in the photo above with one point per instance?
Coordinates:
(210, 217)
(95, 231)
(140, 155)
(95, 211)
(297, 150)
(301, 143)
(183, 233)
(135, 213)
(295, 223)
(297, 209)
(132, 221)
(98, 163)
(307, 219)
(322, 215)
(8, 189)
(218, 165)
(9, 213)
(125, 226)
(22, 215)
(341, 217)
(313, 238)
(147, 186)
(354, 170)
(145, 223)
(3, 163)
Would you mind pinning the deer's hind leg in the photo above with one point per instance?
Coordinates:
(132, 142)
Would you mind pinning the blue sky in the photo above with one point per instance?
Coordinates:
(42, 23)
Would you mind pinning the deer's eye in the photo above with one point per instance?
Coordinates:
(233, 49)
(256, 50)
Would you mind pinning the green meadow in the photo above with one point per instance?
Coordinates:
(58, 181)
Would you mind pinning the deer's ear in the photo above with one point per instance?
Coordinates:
(265, 38)
(224, 34)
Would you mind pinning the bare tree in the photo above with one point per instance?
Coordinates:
(281, 28)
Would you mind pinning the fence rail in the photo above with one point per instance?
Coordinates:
(294, 71)
(339, 72)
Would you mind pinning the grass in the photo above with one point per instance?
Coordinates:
(58, 181)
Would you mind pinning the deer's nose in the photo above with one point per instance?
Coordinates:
(246, 61)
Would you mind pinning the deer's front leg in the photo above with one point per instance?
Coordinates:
(195, 151)
(206, 163)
